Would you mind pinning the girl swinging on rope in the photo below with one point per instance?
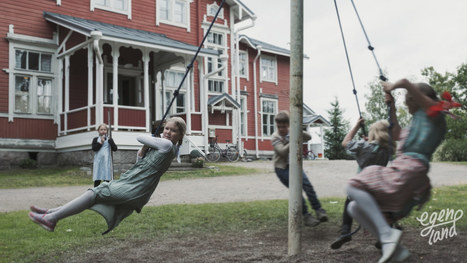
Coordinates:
(118, 199)
(403, 184)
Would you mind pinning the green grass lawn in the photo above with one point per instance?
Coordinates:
(23, 241)
(69, 176)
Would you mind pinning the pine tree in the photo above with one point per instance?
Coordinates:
(334, 135)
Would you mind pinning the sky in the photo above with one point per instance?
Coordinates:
(408, 35)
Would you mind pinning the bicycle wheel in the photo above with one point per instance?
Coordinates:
(213, 155)
(232, 154)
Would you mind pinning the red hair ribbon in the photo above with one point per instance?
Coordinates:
(443, 105)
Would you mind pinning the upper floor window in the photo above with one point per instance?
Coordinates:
(243, 64)
(212, 10)
(268, 68)
(216, 38)
(173, 12)
(216, 86)
(31, 60)
(117, 6)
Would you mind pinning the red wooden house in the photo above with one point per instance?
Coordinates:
(70, 65)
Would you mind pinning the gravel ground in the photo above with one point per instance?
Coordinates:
(328, 178)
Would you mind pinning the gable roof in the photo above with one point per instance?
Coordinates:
(124, 34)
(224, 97)
(264, 46)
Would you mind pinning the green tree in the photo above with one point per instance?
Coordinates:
(376, 108)
(334, 135)
(456, 84)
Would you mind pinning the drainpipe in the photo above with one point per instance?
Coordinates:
(96, 36)
(256, 99)
(237, 66)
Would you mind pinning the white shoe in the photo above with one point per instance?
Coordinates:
(389, 245)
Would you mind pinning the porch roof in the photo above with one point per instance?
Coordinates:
(113, 32)
(229, 101)
(315, 119)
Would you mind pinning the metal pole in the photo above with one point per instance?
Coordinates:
(295, 132)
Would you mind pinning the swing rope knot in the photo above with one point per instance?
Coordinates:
(371, 48)
(443, 105)
(354, 91)
(175, 93)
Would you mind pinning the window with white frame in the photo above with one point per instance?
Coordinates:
(212, 10)
(172, 80)
(268, 68)
(243, 116)
(33, 81)
(243, 64)
(216, 38)
(268, 112)
(173, 12)
(116, 6)
(216, 86)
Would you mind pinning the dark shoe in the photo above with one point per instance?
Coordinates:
(343, 238)
(321, 215)
(39, 210)
(309, 220)
(39, 219)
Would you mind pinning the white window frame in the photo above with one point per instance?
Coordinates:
(243, 64)
(169, 89)
(170, 20)
(34, 76)
(244, 116)
(110, 7)
(272, 68)
(216, 80)
(273, 114)
(211, 10)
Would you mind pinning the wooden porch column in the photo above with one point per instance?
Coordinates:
(59, 95)
(115, 56)
(188, 82)
(90, 85)
(146, 88)
(99, 92)
(67, 92)
(204, 102)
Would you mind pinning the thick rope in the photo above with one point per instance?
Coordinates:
(381, 77)
(188, 68)
(349, 66)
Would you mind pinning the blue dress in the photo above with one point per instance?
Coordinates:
(102, 167)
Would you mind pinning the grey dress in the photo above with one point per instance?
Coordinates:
(118, 199)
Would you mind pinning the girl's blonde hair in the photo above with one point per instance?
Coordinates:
(379, 131)
(181, 125)
(102, 124)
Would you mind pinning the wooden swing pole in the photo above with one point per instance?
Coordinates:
(295, 131)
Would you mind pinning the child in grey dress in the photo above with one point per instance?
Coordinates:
(117, 199)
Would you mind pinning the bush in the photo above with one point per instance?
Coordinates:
(197, 162)
(453, 150)
(28, 164)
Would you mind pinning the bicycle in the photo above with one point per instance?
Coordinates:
(215, 151)
(309, 155)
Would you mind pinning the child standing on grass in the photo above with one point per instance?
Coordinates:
(117, 199)
(102, 145)
(280, 142)
(374, 150)
(403, 184)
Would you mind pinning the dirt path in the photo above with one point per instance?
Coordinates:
(328, 178)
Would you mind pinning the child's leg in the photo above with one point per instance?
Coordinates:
(310, 193)
(346, 218)
(369, 210)
(75, 206)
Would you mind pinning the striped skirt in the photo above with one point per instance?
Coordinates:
(395, 186)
